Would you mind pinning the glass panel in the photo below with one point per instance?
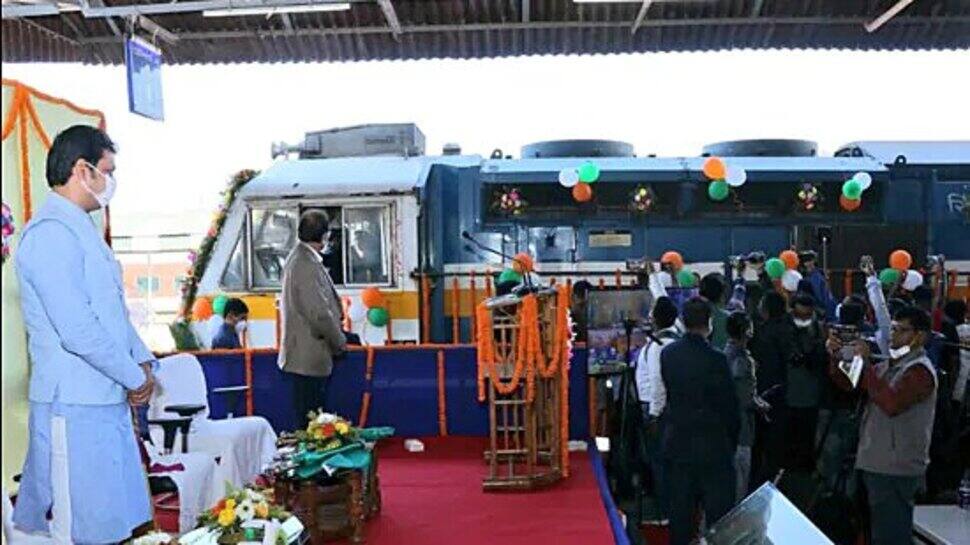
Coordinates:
(234, 277)
(334, 260)
(366, 235)
(763, 518)
(148, 284)
(273, 236)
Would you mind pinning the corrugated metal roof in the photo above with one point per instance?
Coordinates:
(502, 28)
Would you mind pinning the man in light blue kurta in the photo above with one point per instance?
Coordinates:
(88, 364)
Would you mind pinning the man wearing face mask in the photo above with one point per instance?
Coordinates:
(311, 312)
(894, 437)
(233, 329)
(88, 364)
(805, 373)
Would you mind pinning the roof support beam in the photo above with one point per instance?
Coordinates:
(111, 22)
(899, 6)
(756, 8)
(392, 21)
(641, 15)
(526, 10)
(11, 11)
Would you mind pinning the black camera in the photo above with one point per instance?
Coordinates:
(756, 257)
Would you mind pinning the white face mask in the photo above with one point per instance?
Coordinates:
(803, 323)
(241, 326)
(896, 353)
(105, 196)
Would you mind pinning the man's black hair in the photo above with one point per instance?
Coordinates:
(664, 313)
(923, 294)
(852, 313)
(738, 323)
(581, 288)
(712, 287)
(236, 307)
(917, 318)
(895, 304)
(803, 300)
(314, 224)
(805, 286)
(697, 313)
(73, 143)
(774, 304)
(956, 310)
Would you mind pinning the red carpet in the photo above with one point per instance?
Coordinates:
(435, 497)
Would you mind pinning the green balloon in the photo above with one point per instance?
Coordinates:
(775, 268)
(378, 316)
(589, 172)
(686, 279)
(718, 190)
(219, 305)
(508, 275)
(852, 189)
(888, 276)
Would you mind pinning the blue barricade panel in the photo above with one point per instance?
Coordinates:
(223, 370)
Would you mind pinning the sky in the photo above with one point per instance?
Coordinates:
(223, 118)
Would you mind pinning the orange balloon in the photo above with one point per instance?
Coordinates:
(674, 259)
(790, 258)
(372, 298)
(714, 168)
(202, 309)
(523, 263)
(849, 205)
(900, 260)
(582, 192)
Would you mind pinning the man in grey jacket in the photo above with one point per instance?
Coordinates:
(310, 311)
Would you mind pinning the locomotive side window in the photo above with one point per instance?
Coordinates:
(273, 235)
(234, 277)
(365, 245)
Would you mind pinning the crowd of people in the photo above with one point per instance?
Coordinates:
(863, 399)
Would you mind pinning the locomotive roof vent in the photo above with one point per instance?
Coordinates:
(400, 139)
(762, 148)
(577, 148)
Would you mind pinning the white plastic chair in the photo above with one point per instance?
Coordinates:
(244, 446)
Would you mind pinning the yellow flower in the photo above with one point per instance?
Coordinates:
(262, 510)
(230, 503)
(342, 428)
(227, 516)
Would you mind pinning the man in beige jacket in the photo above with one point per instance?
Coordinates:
(311, 314)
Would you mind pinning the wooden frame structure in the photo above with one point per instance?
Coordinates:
(525, 432)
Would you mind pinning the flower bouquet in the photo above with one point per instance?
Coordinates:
(509, 201)
(328, 443)
(244, 515)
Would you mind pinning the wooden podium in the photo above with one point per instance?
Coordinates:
(523, 372)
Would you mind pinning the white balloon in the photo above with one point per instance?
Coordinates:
(912, 281)
(790, 280)
(864, 179)
(568, 177)
(358, 312)
(735, 176)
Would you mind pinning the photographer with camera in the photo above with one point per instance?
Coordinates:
(896, 428)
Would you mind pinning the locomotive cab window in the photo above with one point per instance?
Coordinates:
(273, 235)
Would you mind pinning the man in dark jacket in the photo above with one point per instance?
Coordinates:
(772, 347)
(702, 425)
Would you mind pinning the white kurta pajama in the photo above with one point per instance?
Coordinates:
(82, 460)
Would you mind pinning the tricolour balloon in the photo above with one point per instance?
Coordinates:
(735, 176)
(568, 177)
(912, 281)
(900, 260)
(790, 280)
(864, 179)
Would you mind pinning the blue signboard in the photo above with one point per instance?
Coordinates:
(143, 62)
